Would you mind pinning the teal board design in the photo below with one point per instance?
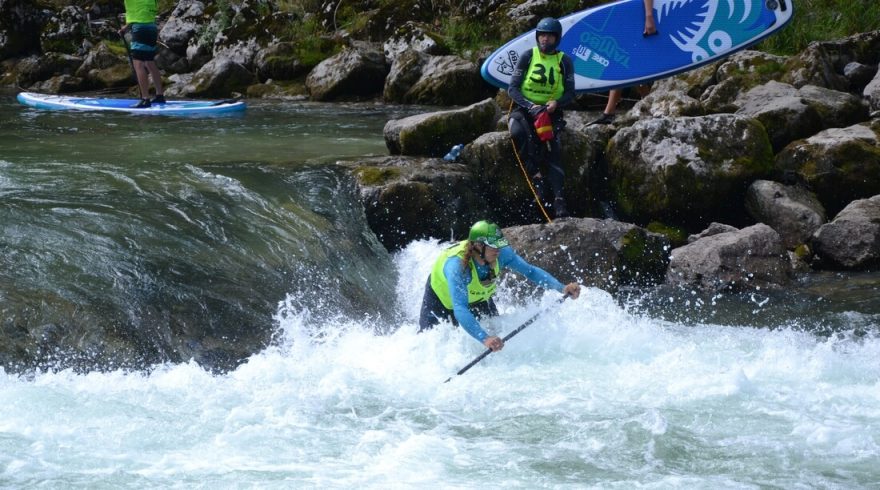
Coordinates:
(608, 49)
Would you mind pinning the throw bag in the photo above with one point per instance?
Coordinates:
(544, 126)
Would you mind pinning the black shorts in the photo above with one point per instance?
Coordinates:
(433, 311)
(144, 39)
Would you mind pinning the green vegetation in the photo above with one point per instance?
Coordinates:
(461, 34)
(316, 32)
(677, 236)
(823, 20)
(219, 11)
(377, 175)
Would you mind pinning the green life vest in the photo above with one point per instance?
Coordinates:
(476, 290)
(140, 11)
(544, 81)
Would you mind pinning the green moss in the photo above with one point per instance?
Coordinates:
(633, 250)
(770, 69)
(677, 236)
(644, 262)
(116, 47)
(803, 252)
(374, 176)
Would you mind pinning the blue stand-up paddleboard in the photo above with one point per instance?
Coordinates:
(609, 50)
(170, 108)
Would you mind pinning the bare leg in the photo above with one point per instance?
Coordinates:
(143, 82)
(156, 75)
(614, 97)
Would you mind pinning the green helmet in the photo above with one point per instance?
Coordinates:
(488, 233)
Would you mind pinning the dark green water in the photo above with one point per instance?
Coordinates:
(176, 235)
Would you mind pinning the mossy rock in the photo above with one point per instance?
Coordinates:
(677, 236)
(687, 171)
(377, 176)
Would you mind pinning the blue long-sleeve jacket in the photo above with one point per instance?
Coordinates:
(458, 279)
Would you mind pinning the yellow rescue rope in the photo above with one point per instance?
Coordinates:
(525, 173)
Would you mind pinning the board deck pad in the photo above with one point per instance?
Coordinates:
(172, 107)
(609, 51)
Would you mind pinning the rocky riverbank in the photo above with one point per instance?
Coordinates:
(739, 174)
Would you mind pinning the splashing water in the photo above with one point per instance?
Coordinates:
(590, 395)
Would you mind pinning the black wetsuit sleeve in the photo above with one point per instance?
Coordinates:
(514, 90)
(568, 84)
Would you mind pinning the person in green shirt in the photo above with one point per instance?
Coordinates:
(140, 20)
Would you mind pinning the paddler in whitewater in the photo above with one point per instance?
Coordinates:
(464, 278)
(542, 83)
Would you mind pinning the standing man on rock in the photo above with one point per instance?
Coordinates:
(140, 19)
(543, 81)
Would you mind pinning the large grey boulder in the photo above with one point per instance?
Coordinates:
(34, 69)
(872, 92)
(407, 199)
(411, 37)
(180, 37)
(103, 68)
(357, 72)
(791, 210)
(443, 80)
(60, 84)
(838, 164)
(714, 228)
(673, 103)
(434, 133)
(789, 113)
(603, 253)
(64, 30)
(182, 25)
(737, 74)
(100, 58)
(859, 75)
(220, 77)
(838, 109)
(823, 63)
(751, 258)
(687, 170)
(278, 62)
(406, 70)
(500, 176)
(694, 82)
(852, 239)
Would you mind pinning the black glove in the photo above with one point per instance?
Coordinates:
(536, 109)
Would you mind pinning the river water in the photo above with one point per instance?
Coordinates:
(659, 390)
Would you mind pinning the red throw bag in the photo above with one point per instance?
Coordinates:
(544, 126)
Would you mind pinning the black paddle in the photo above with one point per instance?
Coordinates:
(507, 337)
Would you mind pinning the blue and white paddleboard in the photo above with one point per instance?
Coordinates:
(609, 51)
(170, 108)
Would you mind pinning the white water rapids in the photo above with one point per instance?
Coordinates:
(589, 396)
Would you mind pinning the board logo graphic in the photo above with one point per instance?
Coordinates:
(506, 65)
(605, 47)
(705, 31)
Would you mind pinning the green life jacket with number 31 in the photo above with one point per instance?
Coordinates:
(544, 81)
(477, 291)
